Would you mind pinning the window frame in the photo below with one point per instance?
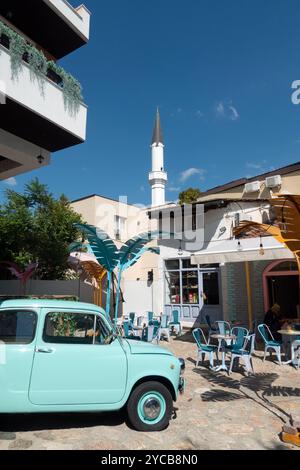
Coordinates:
(200, 270)
(96, 316)
(22, 310)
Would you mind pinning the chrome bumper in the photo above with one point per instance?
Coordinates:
(181, 386)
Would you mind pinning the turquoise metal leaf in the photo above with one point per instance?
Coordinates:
(77, 246)
(132, 260)
(133, 246)
(101, 245)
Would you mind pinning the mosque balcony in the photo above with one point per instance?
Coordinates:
(158, 176)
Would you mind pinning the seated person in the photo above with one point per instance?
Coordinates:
(272, 320)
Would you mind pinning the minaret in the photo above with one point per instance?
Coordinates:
(158, 177)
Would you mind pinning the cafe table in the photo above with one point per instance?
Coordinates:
(289, 336)
(223, 340)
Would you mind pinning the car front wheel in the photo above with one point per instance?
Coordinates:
(150, 407)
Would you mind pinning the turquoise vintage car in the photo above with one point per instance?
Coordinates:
(60, 356)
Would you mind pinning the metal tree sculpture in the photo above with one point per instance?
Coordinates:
(285, 228)
(105, 251)
(23, 275)
(90, 266)
(111, 258)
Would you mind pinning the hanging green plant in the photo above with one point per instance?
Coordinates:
(17, 47)
(72, 90)
(40, 69)
(38, 65)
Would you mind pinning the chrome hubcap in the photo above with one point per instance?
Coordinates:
(152, 408)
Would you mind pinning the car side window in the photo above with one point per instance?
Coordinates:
(17, 326)
(74, 328)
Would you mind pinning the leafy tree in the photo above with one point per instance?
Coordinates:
(189, 196)
(35, 226)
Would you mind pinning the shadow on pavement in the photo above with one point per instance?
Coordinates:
(40, 422)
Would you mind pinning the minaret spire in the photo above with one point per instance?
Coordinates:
(157, 132)
(158, 177)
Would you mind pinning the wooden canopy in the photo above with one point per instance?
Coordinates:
(285, 226)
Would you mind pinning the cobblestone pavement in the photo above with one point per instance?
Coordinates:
(216, 412)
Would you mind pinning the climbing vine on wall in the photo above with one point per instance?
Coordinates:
(20, 50)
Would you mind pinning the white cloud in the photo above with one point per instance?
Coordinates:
(187, 174)
(142, 188)
(257, 166)
(174, 189)
(234, 113)
(11, 182)
(226, 110)
(220, 109)
(199, 114)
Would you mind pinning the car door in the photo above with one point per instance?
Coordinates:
(17, 344)
(73, 365)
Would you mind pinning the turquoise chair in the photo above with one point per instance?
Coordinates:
(151, 334)
(240, 334)
(132, 316)
(127, 328)
(204, 348)
(164, 328)
(269, 341)
(150, 317)
(245, 354)
(128, 331)
(175, 323)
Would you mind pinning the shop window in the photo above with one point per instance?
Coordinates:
(190, 289)
(173, 288)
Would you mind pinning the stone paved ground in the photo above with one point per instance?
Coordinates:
(216, 412)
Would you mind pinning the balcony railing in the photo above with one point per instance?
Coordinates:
(22, 51)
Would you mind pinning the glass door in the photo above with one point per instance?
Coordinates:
(209, 285)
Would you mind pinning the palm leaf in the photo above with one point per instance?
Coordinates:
(133, 260)
(101, 245)
(76, 246)
(132, 248)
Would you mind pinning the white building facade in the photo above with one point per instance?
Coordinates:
(202, 269)
(38, 115)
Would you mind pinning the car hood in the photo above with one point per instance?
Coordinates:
(140, 347)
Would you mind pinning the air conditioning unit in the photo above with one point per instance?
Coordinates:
(253, 187)
(273, 181)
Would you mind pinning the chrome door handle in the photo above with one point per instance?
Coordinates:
(44, 351)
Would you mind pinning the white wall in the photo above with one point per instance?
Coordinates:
(141, 298)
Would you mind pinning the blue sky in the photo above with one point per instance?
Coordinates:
(221, 72)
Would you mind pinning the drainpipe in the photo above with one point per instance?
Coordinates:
(108, 293)
(118, 294)
(249, 294)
